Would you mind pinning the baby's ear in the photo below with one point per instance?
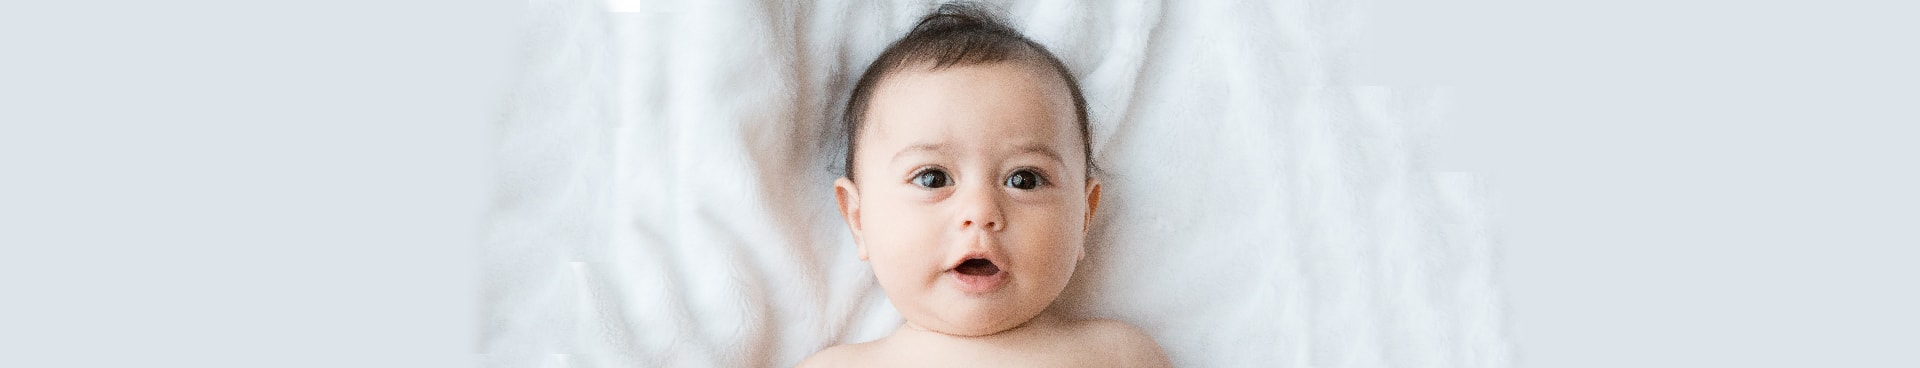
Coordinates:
(849, 198)
(1093, 202)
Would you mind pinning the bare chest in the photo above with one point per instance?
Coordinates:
(1029, 354)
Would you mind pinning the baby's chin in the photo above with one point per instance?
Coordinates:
(979, 317)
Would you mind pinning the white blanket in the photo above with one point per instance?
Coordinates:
(665, 189)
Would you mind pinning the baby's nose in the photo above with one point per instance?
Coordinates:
(983, 211)
(990, 225)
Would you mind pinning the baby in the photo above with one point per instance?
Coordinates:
(968, 191)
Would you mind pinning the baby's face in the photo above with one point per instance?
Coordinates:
(973, 198)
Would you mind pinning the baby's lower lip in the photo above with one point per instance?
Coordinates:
(978, 284)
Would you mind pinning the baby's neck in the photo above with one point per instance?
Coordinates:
(1046, 340)
(1046, 321)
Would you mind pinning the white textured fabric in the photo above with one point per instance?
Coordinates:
(665, 189)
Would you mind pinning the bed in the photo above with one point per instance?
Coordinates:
(664, 172)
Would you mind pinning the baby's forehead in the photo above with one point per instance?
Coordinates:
(1031, 72)
(995, 100)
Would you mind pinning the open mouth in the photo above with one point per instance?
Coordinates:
(977, 267)
(978, 275)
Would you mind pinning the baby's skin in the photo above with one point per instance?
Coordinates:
(1046, 341)
(972, 205)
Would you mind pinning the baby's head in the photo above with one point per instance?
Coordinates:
(967, 185)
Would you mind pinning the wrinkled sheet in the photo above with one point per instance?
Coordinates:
(664, 188)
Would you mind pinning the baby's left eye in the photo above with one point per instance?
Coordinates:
(1024, 180)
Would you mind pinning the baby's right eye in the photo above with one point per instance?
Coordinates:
(932, 179)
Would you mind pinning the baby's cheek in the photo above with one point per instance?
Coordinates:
(899, 246)
(900, 277)
(1072, 241)
(1052, 245)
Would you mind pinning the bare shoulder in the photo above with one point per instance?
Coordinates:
(837, 356)
(1127, 345)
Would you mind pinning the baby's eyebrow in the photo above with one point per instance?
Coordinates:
(923, 147)
(1042, 150)
(1038, 149)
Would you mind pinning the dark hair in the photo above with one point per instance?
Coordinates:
(957, 34)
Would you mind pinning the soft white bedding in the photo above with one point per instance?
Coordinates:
(665, 172)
